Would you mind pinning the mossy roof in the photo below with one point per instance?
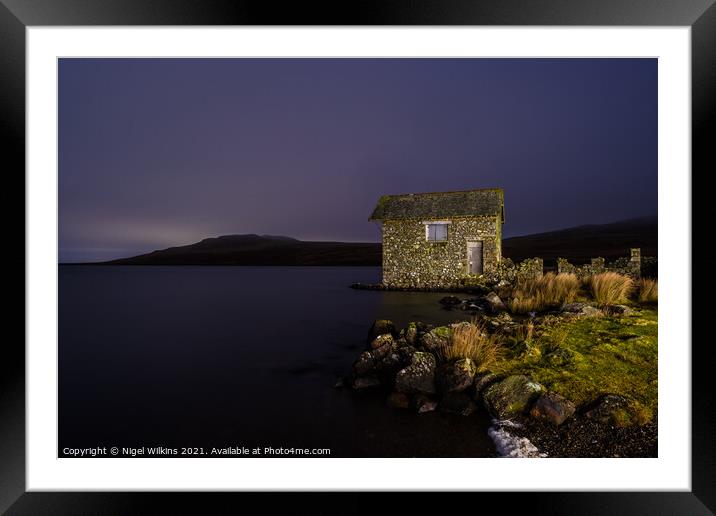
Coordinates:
(484, 202)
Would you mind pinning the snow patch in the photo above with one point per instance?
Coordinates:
(506, 422)
(509, 445)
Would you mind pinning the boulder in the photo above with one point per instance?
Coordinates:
(590, 311)
(384, 350)
(411, 334)
(398, 400)
(415, 331)
(435, 339)
(419, 376)
(482, 380)
(457, 403)
(365, 382)
(405, 355)
(455, 376)
(365, 364)
(573, 307)
(494, 303)
(503, 288)
(423, 327)
(510, 397)
(609, 408)
(392, 362)
(621, 310)
(381, 327)
(581, 310)
(553, 408)
(422, 404)
(381, 340)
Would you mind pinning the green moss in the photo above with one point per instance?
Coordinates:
(442, 332)
(622, 417)
(584, 358)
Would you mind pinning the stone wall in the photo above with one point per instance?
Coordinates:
(531, 268)
(507, 270)
(629, 266)
(410, 261)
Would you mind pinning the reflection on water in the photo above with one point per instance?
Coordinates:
(237, 356)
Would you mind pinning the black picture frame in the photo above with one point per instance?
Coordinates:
(17, 15)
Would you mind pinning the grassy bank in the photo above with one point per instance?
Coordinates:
(583, 358)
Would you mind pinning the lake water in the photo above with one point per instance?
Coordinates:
(238, 357)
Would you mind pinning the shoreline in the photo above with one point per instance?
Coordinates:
(589, 393)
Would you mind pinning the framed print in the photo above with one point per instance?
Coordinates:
(294, 251)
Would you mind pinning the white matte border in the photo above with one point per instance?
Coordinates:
(671, 470)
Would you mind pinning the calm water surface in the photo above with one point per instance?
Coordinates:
(237, 356)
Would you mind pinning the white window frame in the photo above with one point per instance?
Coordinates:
(428, 223)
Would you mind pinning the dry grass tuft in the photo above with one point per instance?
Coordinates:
(525, 332)
(472, 341)
(611, 288)
(549, 291)
(648, 291)
(522, 303)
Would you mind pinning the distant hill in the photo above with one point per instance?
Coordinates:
(260, 250)
(578, 244)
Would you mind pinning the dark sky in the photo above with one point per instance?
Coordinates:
(160, 152)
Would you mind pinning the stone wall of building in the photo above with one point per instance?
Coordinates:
(410, 261)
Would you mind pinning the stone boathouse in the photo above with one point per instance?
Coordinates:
(437, 240)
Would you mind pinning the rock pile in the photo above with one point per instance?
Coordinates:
(407, 364)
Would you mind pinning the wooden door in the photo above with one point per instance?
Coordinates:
(474, 257)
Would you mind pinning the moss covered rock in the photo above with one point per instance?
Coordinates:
(435, 339)
(381, 327)
(419, 376)
(411, 334)
(610, 408)
(510, 397)
(384, 350)
(482, 381)
(381, 340)
(365, 364)
(455, 376)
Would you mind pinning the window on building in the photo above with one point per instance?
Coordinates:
(436, 232)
